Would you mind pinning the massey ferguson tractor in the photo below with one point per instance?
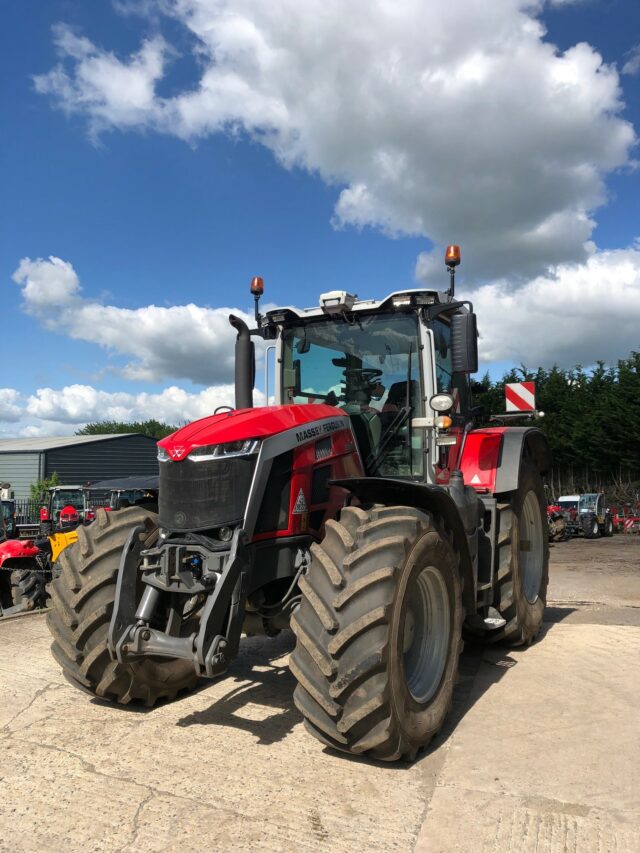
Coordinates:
(27, 562)
(362, 510)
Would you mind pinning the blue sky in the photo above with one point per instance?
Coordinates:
(166, 151)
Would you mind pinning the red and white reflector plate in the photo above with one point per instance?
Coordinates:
(520, 396)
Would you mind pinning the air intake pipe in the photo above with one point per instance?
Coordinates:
(245, 364)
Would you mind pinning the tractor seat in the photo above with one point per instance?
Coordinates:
(396, 400)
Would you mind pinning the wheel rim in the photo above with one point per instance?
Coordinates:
(531, 551)
(426, 634)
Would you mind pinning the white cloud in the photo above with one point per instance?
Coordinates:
(177, 342)
(111, 91)
(45, 283)
(10, 408)
(57, 411)
(632, 65)
(455, 121)
(78, 404)
(581, 314)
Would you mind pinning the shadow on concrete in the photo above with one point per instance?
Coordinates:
(269, 692)
(259, 698)
(555, 613)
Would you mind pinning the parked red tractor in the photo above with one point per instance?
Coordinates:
(362, 510)
(27, 562)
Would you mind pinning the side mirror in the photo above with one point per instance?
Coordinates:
(464, 343)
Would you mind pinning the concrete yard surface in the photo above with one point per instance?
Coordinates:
(540, 753)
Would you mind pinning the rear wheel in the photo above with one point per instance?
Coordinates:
(608, 526)
(82, 604)
(378, 632)
(523, 560)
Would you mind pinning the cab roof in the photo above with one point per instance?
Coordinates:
(418, 296)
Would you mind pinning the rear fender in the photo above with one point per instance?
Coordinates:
(16, 549)
(492, 457)
(429, 498)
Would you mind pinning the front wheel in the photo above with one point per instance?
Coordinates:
(592, 529)
(378, 632)
(83, 599)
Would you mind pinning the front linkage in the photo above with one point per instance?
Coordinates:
(187, 573)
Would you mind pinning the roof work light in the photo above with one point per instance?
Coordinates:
(452, 259)
(452, 256)
(257, 288)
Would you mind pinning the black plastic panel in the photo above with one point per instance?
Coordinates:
(202, 495)
(274, 511)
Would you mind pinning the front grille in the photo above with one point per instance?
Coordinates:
(202, 495)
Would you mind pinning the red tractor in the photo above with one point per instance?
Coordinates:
(363, 510)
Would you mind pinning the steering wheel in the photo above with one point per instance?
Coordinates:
(367, 374)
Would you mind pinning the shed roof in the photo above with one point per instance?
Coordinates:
(35, 445)
(124, 483)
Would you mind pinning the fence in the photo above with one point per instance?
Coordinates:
(28, 509)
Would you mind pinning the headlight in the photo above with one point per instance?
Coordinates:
(224, 451)
(441, 402)
(163, 456)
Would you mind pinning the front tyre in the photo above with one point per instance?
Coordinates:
(591, 528)
(378, 633)
(82, 604)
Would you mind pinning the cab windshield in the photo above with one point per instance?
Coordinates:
(588, 502)
(68, 497)
(364, 366)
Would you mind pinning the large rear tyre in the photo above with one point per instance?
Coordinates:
(378, 633)
(82, 604)
(523, 560)
(29, 587)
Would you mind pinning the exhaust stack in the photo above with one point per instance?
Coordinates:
(245, 364)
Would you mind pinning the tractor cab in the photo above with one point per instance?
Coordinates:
(66, 508)
(591, 503)
(398, 367)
